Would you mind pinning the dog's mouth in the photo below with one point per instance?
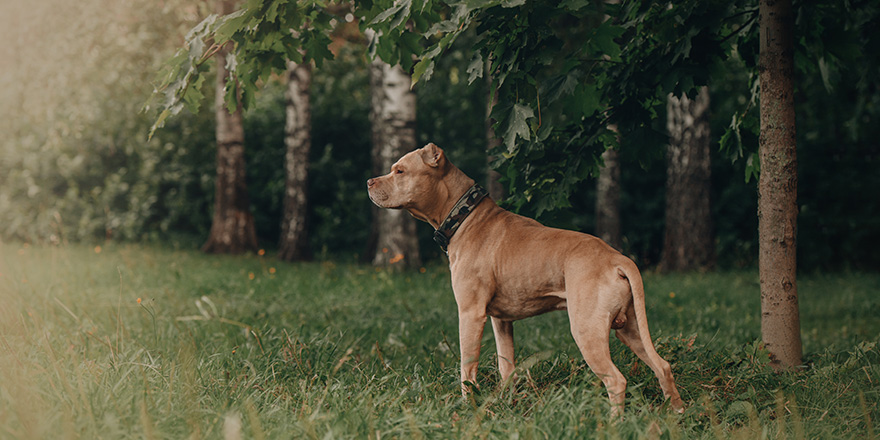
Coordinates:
(380, 196)
(380, 199)
(375, 199)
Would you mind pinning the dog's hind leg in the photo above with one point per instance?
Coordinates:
(591, 329)
(631, 336)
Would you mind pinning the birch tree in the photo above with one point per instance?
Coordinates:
(294, 239)
(393, 121)
(689, 242)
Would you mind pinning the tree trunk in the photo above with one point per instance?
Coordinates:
(493, 178)
(393, 120)
(777, 187)
(608, 191)
(294, 242)
(232, 228)
(608, 200)
(689, 243)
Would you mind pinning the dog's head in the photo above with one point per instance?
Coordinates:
(411, 181)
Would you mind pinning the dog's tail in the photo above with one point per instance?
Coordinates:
(660, 367)
(629, 271)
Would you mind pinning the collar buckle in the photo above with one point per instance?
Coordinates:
(441, 239)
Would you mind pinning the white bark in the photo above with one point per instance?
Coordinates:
(393, 120)
(297, 140)
(689, 243)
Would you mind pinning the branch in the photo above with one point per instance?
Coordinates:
(599, 60)
(747, 23)
(744, 12)
(210, 53)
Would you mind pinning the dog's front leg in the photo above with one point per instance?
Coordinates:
(470, 334)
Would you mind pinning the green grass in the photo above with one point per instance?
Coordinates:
(249, 347)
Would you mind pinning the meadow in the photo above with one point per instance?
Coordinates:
(152, 342)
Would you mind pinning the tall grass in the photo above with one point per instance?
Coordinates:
(150, 342)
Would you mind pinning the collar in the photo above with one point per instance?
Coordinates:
(465, 205)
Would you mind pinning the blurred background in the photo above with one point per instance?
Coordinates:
(76, 163)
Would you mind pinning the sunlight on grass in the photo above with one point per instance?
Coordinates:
(121, 341)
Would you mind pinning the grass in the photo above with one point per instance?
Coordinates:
(150, 342)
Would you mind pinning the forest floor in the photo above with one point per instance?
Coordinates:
(130, 341)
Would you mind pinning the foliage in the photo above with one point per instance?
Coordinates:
(837, 135)
(86, 172)
(563, 71)
(76, 164)
(266, 34)
(566, 53)
(566, 71)
(124, 340)
(565, 74)
(337, 201)
(340, 154)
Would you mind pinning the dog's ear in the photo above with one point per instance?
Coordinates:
(433, 155)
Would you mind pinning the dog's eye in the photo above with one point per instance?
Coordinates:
(399, 171)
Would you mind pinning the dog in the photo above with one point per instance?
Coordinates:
(508, 267)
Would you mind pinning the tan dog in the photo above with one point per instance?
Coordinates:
(509, 267)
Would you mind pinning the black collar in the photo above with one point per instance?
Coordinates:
(465, 205)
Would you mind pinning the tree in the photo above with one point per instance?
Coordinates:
(294, 240)
(493, 177)
(392, 119)
(566, 72)
(232, 228)
(608, 200)
(688, 242)
(777, 186)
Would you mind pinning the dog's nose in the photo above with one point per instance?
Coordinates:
(370, 182)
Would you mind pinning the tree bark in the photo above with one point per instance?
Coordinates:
(493, 178)
(689, 242)
(608, 200)
(294, 241)
(608, 191)
(393, 119)
(232, 228)
(777, 187)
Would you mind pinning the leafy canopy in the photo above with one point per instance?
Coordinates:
(265, 33)
(572, 78)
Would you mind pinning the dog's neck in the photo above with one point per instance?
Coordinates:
(452, 187)
(460, 212)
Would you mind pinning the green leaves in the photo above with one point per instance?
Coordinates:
(587, 100)
(475, 68)
(517, 125)
(317, 46)
(603, 40)
(265, 34)
(231, 24)
(395, 15)
(193, 96)
(180, 79)
(562, 71)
